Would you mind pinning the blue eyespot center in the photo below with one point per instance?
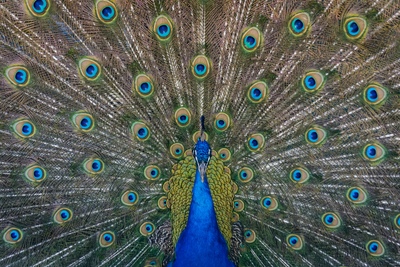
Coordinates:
(267, 202)
(372, 94)
(178, 151)
(107, 13)
(250, 41)
(373, 247)
(221, 124)
(131, 197)
(236, 204)
(154, 173)
(223, 155)
(329, 219)
(183, 119)
(39, 6)
(108, 238)
(145, 88)
(200, 69)
(256, 93)
(91, 70)
(149, 228)
(86, 123)
(253, 143)
(297, 25)
(243, 174)
(96, 165)
(296, 175)
(142, 132)
(21, 76)
(247, 233)
(354, 194)
(27, 128)
(293, 240)
(15, 235)
(38, 173)
(352, 28)
(371, 152)
(163, 30)
(313, 136)
(64, 215)
(310, 82)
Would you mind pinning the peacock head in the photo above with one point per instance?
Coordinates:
(202, 151)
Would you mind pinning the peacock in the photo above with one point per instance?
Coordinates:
(200, 133)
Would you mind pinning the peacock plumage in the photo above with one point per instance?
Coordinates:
(200, 133)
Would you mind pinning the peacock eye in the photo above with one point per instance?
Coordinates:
(397, 221)
(35, 174)
(152, 172)
(23, 128)
(375, 248)
(93, 166)
(140, 131)
(106, 239)
(222, 122)
(245, 174)
(12, 235)
(18, 76)
(129, 198)
(147, 228)
(294, 241)
(255, 142)
(356, 195)
(375, 95)
(299, 175)
(200, 67)
(224, 154)
(316, 135)
(257, 92)
(331, 220)
(89, 69)
(182, 117)
(238, 205)
(269, 203)
(299, 24)
(38, 8)
(144, 85)
(83, 121)
(106, 11)
(163, 28)
(176, 150)
(374, 153)
(312, 81)
(355, 28)
(162, 202)
(251, 39)
(249, 236)
(62, 215)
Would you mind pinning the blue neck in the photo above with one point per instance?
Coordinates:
(201, 243)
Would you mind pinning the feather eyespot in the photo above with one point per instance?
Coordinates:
(356, 195)
(147, 228)
(23, 128)
(269, 203)
(397, 221)
(140, 131)
(374, 153)
(375, 95)
(38, 8)
(182, 117)
(162, 202)
(257, 92)
(12, 235)
(299, 24)
(312, 81)
(83, 121)
(375, 248)
(35, 174)
(106, 11)
(316, 135)
(224, 154)
(89, 69)
(106, 239)
(166, 187)
(163, 28)
(129, 198)
(245, 174)
(251, 39)
(249, 236)
(238, 205)
(299, 175)
(331, 220)
(62, 215)
(255, 142)
(222, 122)
(355, 27)
(152, 262)
(152, 172)
(93, 166)
(144, 85)
(196, 136)
(294, 241)
(201, 67)
(177, 150)
(18, 76)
